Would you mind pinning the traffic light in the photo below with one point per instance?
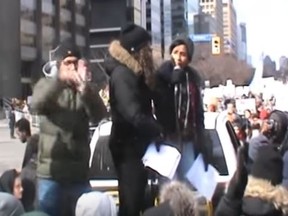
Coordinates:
(216, 50)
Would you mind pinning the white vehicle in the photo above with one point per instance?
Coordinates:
(222, 136)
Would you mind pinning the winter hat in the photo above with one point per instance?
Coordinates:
(10, 206)
(134, 37)
(65, 49)
(96, 203)
(7, 181)
(183, 41)
(268, 165)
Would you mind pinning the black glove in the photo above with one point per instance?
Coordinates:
(205, 147)
(206, 162)
(238, 183)
(159, 141)
(178, 76)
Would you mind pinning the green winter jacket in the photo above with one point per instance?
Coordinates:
(64, 150)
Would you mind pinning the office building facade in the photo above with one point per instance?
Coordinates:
(166, 27)
(215, 9)
(204, 24)
(242, 42)
(230, 35)
(42, 25)
(192, 10)
(153, 25)
(179, 15)
(107, 19)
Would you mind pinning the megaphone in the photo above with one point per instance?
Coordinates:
(50, 69)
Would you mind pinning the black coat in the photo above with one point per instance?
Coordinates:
(133, 125)
(164, 98)
(165, 108)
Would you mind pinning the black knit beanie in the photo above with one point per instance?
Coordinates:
(268, 165)
(134, 37)
(65, 49)
(181, 40)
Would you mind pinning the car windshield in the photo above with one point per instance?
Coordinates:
(102, 164)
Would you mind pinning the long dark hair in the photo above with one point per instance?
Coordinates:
(145, 59)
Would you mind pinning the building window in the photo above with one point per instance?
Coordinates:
(65, 20)
(64, 4)
(27, 39)
(28, 8)
(47, 20)
(80, 30)
(79, 7)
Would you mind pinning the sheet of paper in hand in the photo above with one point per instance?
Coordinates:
(165, 162)
(204, 182)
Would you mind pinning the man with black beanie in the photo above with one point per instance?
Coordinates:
(130, 67)
(66, 103)
(179, 107)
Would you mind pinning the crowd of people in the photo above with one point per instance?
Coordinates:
(18, 109)
(54, 179)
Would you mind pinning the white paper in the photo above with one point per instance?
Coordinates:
(165, 162)
(204, 182)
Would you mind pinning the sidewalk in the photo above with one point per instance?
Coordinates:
(4, 123)
(11, 150)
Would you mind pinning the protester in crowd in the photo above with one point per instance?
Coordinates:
(66, 103)
(248, 115)
(10, 182)
(260, 140)
(231, 112)
(248, 121)
(26, 111)
(255, 125)
(179, 106)
(273, 132)
(131, 72)
(239, 128)
(176, 199)
(104, 94)
(96, 203)
(259, 194)
(12, 120)
(29, 165)
(23, 131)
(10, 205)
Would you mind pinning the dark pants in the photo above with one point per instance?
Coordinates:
(29, 182)
(11, 131)
(54, 198)
(132, 182)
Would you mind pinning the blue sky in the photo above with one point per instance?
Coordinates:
(267, 27)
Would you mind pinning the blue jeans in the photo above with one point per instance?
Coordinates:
(55, 197)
